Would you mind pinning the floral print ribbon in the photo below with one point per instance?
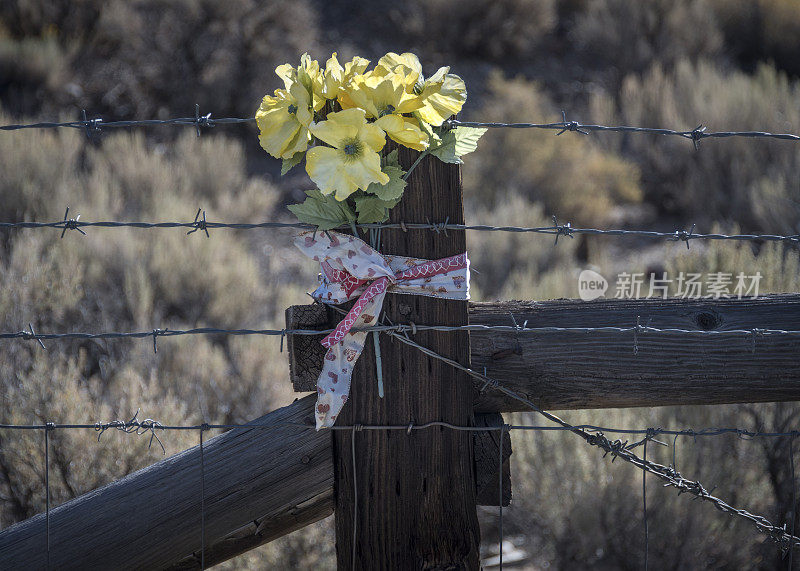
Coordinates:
(352, 269)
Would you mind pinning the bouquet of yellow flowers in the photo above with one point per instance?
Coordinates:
(338, 118)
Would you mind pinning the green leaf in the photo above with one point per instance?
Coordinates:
(289, 163)
(392, 190)
(373, 209)
(446, 151)
(390, 160)
(433, 138)
(456, 143)
(467, 139)
(323, 211)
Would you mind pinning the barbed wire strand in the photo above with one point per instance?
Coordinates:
(97, 124)
(148, 426)
(201, 223)
(695, 135)
(93, 126)
(402, 328)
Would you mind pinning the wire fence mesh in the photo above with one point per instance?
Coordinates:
(592, 435)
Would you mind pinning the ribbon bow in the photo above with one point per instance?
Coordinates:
(352, 269)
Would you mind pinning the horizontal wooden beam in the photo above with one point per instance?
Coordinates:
(602, 370)
(570, 370)
(260, 484)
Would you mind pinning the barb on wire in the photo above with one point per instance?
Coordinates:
(201, 121)
(133, 426)
(155, 333)
(200, 224)
(91, 127)
(562, 229)
(71, 223)
(570, 125)
(696, 135)
(31, 334)
(684, 236)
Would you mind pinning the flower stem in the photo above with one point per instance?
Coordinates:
(421, 156)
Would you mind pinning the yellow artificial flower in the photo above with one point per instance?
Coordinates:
(448, 100)
(442, 95)
(308, 74)
(336, 76)
(382, 94)
(386, 98)
(283, 121)
(352, 161)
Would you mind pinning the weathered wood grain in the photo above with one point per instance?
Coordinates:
(305, 351)
(259, 484)
(487, 461)
(600, 370)
(415, 507)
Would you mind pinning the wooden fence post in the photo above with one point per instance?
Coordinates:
(412, 495)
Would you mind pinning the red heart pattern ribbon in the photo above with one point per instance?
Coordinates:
(352, 269)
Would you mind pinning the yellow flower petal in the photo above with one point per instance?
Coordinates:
(334, 75)
(302, 101)
(326, 168)
(281, 134)
(364, 171)
(354, 66)
(409, 61)
(372, 136)
(331, 170)
(404, 130)
(380, 94)
(339, 126)
(287, 73)
(446, 103)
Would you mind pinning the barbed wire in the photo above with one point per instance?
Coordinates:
(93, 126)
(204, 225)
(392, 329)
(140, 427)
(695, 135)
(592, 434)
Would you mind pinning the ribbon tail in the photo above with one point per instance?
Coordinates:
(333, 384)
